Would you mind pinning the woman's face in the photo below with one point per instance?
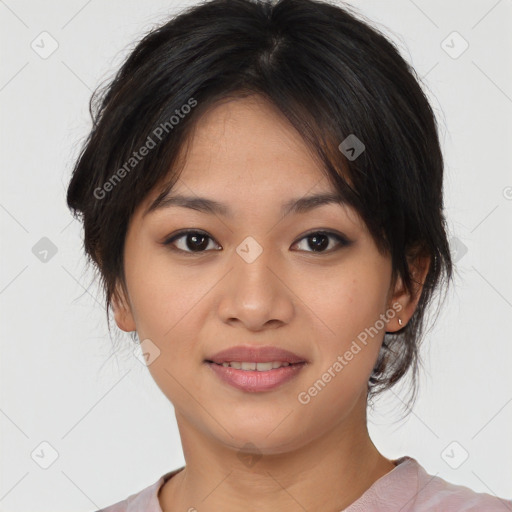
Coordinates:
(257, 276)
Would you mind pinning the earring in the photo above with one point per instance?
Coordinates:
(400, 322)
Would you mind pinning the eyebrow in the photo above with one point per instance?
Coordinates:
(202, 204)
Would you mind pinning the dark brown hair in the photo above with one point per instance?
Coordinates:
(331, 74)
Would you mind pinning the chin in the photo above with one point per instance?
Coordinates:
(266, 437)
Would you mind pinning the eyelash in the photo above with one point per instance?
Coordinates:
(343, 242)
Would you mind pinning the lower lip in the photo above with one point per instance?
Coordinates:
(252, 380)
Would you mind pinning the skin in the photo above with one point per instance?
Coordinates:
(314, 456)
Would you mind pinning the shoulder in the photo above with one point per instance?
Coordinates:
(145, 500)
(409, 488)
(433, 493)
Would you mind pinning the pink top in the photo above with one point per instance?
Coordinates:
(407, 488)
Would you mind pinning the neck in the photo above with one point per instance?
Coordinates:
(329, 473)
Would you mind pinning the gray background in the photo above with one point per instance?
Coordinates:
(98, 414)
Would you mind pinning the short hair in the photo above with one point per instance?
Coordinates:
(332, 76)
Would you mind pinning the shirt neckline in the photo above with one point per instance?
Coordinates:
(401, 464)
(400, 473)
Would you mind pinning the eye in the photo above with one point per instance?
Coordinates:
(193, 241)
(318, 241)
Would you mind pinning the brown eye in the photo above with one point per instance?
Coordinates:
(190, 241)
(319, 241)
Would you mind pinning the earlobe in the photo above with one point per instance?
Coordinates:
(398, 303)
(122, 312)
(408, 301)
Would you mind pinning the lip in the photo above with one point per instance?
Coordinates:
(251, 354)
(253, 381)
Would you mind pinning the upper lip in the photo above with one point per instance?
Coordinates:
(252, 354)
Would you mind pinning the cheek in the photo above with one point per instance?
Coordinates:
(349, 305)
(167, 305)
(162, 294)
(165, 309)
(347, 301)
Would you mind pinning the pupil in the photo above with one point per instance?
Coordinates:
(194, 244)
(319, 245)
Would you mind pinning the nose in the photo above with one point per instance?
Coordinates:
(255, 292)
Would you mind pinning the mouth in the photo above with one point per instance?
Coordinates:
(255, 369)
(254, 366)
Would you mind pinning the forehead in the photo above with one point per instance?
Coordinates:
(247, 142)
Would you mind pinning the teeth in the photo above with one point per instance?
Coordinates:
(260, 367)
(263, 367)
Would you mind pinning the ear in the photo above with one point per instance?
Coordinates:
(122, 311)
(419, 265)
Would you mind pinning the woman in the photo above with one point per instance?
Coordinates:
(262, 194)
